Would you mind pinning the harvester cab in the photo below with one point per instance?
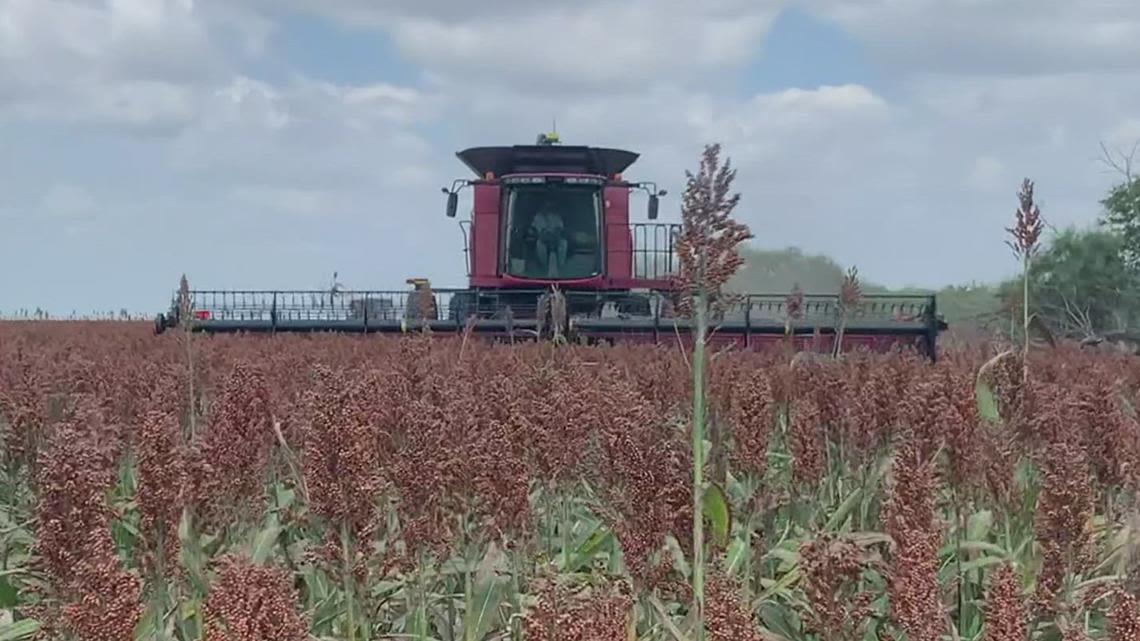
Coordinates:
(548, 214)
(550, 232)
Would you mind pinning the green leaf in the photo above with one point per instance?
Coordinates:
(192, 554)
(737, 551)
(152, 624)
(264, 541)
(839, 517)
(788, 557)
(187, 609)
(680, 561)
(19, 630)
(777, 619)
(987, 403)
(982, 546)
(983, 562)
(779, 586)
(979, 524)
(717, 511)
(666, 620)
(600, 539)
(8, 595)
(125, 534)
(484, 606)
(285, 497)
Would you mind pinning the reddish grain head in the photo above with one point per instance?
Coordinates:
(161, 477)
(910, 519)
(708, 245)
(833, 567)
(247, 602)
(1124, 617)
(751, 417)
(1006, 615)
(599, 612)
(1026, 232)
(229, 462)
(728, 616)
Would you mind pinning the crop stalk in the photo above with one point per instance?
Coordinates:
(960, 528)
(421, 610)
(1025, 317)
(565, 530)
(349, 592)
(698, 463)
(162, 597)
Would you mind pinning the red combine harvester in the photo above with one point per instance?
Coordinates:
(551, 251)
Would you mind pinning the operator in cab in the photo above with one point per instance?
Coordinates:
(551, 243)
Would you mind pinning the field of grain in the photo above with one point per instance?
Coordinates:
(288, 488)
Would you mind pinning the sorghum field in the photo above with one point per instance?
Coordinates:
(287, 488)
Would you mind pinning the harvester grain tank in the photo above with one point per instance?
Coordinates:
(551, 250)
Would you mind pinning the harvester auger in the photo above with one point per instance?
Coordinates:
(551, 250)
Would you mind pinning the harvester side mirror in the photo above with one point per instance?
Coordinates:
(654, 197)
(452, 203)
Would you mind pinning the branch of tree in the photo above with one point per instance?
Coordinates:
(1123, 165)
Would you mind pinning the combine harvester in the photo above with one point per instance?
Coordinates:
(551, 252)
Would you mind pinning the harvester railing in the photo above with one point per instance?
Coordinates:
(635, 316)
(653, 249)
(393, 306)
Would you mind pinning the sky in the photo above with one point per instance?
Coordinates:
(268, 143)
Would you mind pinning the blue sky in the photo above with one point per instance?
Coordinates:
(805, 51)
(268, 143)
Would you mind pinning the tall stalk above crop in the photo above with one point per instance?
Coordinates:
(1025, 242)
(185, 307)
(850, 295)
(707, 249)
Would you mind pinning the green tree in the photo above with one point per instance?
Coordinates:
(975, 305)
(779, 270)
(1122, 205)
(1082, 285)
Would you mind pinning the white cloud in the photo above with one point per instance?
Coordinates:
(368, 13)
(383, 103)
(595, 44)
(249, 102)
(986, 173)
(826, 98)
(560, 46)
(994, 36)
(1126, 134)
(307, 133)
(289, 201)
(555, 41)
(141, 65)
